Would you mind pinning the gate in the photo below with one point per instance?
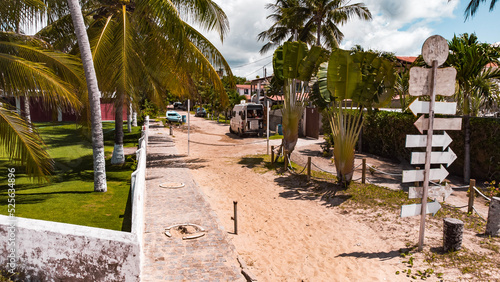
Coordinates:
(312, 122)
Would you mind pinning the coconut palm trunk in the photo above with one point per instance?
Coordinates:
(100, 184)
(129, 118)
(27, 111)
(118, 154)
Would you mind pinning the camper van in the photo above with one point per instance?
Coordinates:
(247, 118)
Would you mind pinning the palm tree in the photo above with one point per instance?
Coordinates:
(473, 61)
(474, 4)
(30, 68)
(124, 35)
(325, 16)
(314, 21)
(100, 184)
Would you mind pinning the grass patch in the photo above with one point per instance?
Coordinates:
(275, 136)
(70, 196)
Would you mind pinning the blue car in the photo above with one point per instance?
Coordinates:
(173, 116)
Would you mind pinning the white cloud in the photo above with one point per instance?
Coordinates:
(399, 26)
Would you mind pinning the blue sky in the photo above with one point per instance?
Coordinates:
(398, 26)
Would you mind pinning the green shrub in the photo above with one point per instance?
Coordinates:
(384, 134)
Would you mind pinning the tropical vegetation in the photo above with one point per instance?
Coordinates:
(315, 22)
(477, 79)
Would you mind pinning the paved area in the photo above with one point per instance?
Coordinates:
(208, 258)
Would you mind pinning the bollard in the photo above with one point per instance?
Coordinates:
(453, 230)
(272, 154)
(472, 195)
(235, 218)
(493, 224)
(308, 168)
(171, 130)
(363, 175)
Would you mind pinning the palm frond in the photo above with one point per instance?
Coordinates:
(21, 143)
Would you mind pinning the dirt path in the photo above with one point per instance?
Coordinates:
(283, 235)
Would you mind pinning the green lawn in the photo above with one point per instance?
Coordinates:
(70, 198)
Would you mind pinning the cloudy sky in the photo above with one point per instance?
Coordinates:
(398, 26)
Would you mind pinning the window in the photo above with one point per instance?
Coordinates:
(245, 91)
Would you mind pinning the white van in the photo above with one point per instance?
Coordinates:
(247, 118)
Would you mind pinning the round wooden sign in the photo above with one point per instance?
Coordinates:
(435, 48)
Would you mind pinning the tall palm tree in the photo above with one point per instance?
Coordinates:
(474, 4)
(314, 21)
(472, 60)
(100, 184)
(123, 37)
(325, 16)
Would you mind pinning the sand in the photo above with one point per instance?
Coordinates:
(285, 234)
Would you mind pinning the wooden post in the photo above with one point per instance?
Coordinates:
(235, 218)
(308, 168)
(453, 230)
(272, 154)
(472, 195)
(285, 158)
(428, 150)
(493, 224)
(363, 174)
(417, 183)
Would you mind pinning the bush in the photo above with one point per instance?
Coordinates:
(384, 134)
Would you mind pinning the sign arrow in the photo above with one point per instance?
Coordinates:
(418, 175)
(418, 141)
(416, 209)
(422, 124)
(446, 157)
(434, 192)
(420, 81)
(422, 107)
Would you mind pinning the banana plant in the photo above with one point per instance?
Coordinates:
(293, 66)
(363, 80)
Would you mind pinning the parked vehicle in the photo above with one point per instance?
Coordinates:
(177, 105)
(200, 112)
(247, 118)
(173, 116)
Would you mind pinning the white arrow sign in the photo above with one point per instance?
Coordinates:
(418, 141)
(416, 209)
(434, 192)
(420, 81)
(443, 108)
(446, 157)
(418, 175)
(422, 124)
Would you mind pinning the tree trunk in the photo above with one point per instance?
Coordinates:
(318, 34)
(27, 112)
(467, 149)
(100, 184)
(118, 154)
(129, 118)
(134, 118)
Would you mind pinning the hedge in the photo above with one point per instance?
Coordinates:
(384, 134)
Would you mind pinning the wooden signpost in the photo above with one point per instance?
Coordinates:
(435, 192)
(430, 82)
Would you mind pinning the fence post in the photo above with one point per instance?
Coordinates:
(285, 158)
(272, 154)
(363, 175)
(308, 168)
(417, 184)
(235, 204)
(472, 194)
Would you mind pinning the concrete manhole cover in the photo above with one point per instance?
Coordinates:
(172, 185)
(185, 231)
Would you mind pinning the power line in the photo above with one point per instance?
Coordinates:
(252, 62)
(258, 69)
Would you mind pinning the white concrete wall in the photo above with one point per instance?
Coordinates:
(53, 251)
